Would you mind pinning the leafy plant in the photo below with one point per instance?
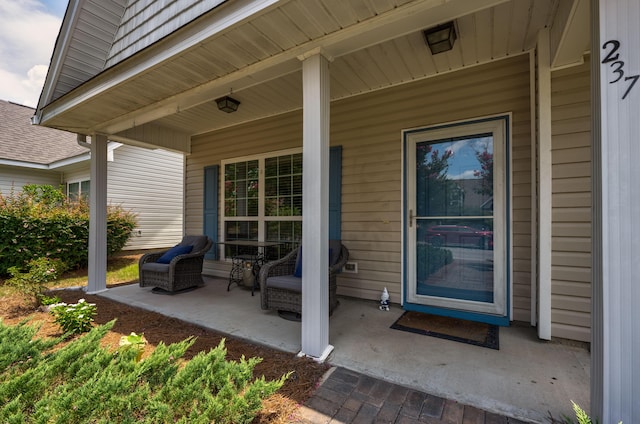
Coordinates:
(75, 318)
(581, 416)
(32, 283)
(135, 342)
(48, 300)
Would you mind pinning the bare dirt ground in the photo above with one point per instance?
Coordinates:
(279, 408)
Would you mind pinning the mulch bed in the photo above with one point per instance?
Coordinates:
(280, 408)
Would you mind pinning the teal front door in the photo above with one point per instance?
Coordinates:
(456, 232)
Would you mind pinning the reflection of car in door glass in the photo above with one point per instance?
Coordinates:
(459, 235)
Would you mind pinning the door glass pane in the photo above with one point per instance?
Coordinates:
(454, 224)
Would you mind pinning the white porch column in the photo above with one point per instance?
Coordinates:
(315, 207)
(615, 350)
(544, 186)
(98, 216)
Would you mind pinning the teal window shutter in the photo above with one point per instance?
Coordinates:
(335, 193)
(211, 208)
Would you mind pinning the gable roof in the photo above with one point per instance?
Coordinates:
(98, 34)
(22, 142)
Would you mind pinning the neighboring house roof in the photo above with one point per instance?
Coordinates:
(32, 144)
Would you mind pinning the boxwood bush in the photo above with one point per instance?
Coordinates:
(41, 222)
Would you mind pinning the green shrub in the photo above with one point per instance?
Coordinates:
(41, 222)
(32, 284)
(83, 382)
(75, 318)
(431, 259)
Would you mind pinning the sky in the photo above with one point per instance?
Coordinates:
(28, 32)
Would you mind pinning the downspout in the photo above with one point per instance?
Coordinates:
(82, 141)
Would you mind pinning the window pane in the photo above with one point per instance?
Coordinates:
(241, 184)
(85, 189)
(284, 165)
(281, 186)
(289, 233)
(271, 187)
(284, 186)
(73, 190)
(297, 163)
(230, 207)
(240, 230)
(297, 205)
(271, 167)
(297, 185)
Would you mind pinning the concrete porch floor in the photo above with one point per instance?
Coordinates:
(526, 379)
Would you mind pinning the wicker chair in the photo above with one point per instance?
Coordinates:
(183, 271)
(282, 291)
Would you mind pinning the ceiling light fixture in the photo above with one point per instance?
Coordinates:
(227, 104)
(441, 38)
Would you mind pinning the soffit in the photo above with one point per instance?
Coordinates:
(374, 44)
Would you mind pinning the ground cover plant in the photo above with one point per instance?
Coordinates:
(278, 408)
(84, 382)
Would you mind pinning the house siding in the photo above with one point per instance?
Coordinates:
(12, 178)
(571, 204)
(150, 183)
(368, 127)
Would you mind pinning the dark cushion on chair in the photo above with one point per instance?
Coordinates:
(173, 252)
(155, 267)
(197, 242)
(297, 271)
(285, 282)
(334, 255)
(334, 251)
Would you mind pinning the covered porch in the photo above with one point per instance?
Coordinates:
(526, 378)
(359, 75)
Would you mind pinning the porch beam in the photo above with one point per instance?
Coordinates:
(153, 136)
(98, 216)
(544, 186)
(315, 207)
(615, 345)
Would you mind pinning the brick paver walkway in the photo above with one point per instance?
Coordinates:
(348, 397)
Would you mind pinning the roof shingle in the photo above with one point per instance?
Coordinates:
(22, 141)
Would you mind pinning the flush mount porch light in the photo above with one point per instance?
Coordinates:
(441, 38)
(227, 104)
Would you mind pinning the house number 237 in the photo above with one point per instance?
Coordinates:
(612, 58)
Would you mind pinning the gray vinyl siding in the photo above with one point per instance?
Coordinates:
(145, 23)
(368, 127)
(571, 204)
(149, 183)
(12, 178)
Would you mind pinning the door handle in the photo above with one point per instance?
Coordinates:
(411, 218)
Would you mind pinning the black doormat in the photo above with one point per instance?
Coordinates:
(459, 330)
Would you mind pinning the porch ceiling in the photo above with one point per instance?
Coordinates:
(374, 44)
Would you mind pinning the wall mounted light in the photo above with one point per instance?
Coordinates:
(227, 104)
(441, 38)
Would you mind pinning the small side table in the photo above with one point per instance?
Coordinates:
(244, 271)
